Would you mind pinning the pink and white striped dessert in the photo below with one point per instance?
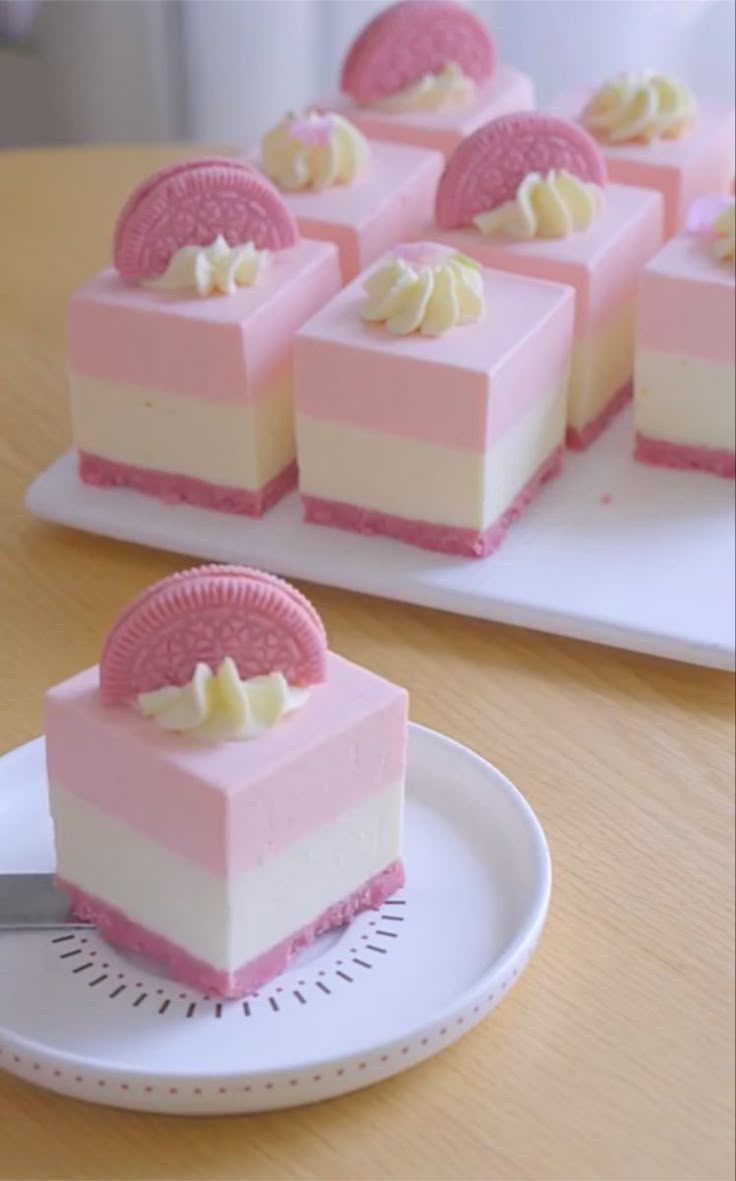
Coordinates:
(222, 787)
(425, 72)
(684, 374)
(654, 134)
(340, 187)
(180, 356)
(430, 400)
(528, 194)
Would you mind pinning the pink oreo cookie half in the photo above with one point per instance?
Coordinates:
(203, 615)
(487, 168)
(189, 204)
(411, 39)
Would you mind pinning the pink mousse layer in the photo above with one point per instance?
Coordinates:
(687, 302)
(174, 489)
(113, 925)
(446, 539)
(579, 439)
(660, 453)
(226, 348)
(230, 806)
(465, 388)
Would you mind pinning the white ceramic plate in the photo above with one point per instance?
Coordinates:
(613, 551)
(361, 1004)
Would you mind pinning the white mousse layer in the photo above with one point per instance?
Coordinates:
(684, 399)
(225, 924)
(242, 445)
(601, 364)
(424, 481)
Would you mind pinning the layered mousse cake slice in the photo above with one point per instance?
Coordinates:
(425, 72)
(223, 788)
(528, 194)
(340, 187)
(430, 400)
(684, 375)
(654, 133)
(180, 356)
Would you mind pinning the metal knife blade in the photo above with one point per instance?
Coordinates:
(33, 902)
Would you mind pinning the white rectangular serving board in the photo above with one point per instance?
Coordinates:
(612, 551)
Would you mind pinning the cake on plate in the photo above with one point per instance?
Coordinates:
(654, 133)
(528, 193)
(684, 375)
(340, 187)
(180, 355)
(425, 72)
(223, 788)
(430, 399)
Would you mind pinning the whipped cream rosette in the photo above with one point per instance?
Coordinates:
(314, 150)
(424, 287)
(640, 107)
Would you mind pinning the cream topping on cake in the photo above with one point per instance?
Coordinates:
(549, 206)
(424, 287)
(711, 217)
(218, 706)
(640, 107)
(314, 150)
(724, 233)
(217, 268)
(449, 87)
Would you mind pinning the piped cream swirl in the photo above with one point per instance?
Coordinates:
(425, 288)
(313, 150)
(550, 206)
(216, 268)
(449, 87)
(724, 235)
(218, 706)
(640, 107)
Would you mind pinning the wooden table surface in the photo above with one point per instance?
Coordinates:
(613, 1058)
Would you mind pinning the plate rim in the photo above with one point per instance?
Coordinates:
(525, 939)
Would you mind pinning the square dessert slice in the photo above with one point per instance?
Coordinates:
(527, 194)
(684, 375)
(653, 134)
(223, 789)
(363, 196)
(437, 422)
(180, 358)
(424, 72)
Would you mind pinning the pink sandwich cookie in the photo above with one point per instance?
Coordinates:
(654, 134)
(222, 787)
(527, 193)
(430, 400)
(339, 187)
(424, 72)
(684, 375)
(180, 356)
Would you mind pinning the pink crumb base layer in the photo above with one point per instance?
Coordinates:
(660, 453)
(446, 539)
(174, 489)
(578, 440)
(113, 925)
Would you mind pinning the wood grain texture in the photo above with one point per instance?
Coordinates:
(614, 1056)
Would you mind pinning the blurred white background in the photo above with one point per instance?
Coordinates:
(82, 71)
